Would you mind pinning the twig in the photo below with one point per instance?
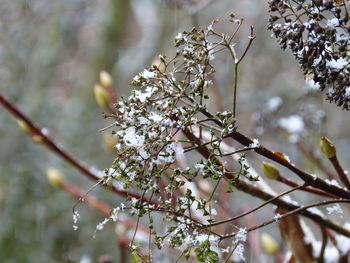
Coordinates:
(100, 206)
(60, 152)
(256, 208)
(254, 191)
(307, 178)
(300, 209)
(324, 244)
(340, 171)
(311, 156)
(316, 191)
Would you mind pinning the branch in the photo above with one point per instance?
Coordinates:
(49, 143)
(307, 178)
(302, 209)
(254, 191)
(340, 171)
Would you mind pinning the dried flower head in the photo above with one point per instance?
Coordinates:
(150, 127)
(317, 32)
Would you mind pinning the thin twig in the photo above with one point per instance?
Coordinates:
(340, 171)
(258, 207)
(300, 209)
(254, 191)
(49, 143)
(324, 244)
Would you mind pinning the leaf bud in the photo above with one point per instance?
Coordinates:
(270, 171)
(55, 177)
(101, 95)
(106, 79)
(269, 244)
(24, 126)
(37, 139)
(327, 147)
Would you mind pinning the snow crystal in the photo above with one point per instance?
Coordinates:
(332, 23)
(148, 74)
(241, 235)
(143, 153)
(337, 64)
(131, 138)
(179, 36)
(347, 92)
(333, 182)
(179, 150)
(311, 85)
(277, 217)
(76, 217)
(238, 255)
(288, 199)
(156, 117)
(143, 96)
(335, 209)
(255, 143)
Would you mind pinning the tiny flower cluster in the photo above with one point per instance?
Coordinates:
(317, 32)
(170, 99)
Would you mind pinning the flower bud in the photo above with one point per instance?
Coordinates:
(269, 244)
(106, 79)
(101, 95)
(270, 170)
(327, 147)
(37, 139)
(24, 126)
(55, 177)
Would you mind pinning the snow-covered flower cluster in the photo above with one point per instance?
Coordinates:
(317, 32)
(154, 126)
(163, 104)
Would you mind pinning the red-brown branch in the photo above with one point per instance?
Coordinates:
(60, 152)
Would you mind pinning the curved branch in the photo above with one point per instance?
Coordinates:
(49, 143)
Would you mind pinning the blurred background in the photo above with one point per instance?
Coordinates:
(51, 53)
